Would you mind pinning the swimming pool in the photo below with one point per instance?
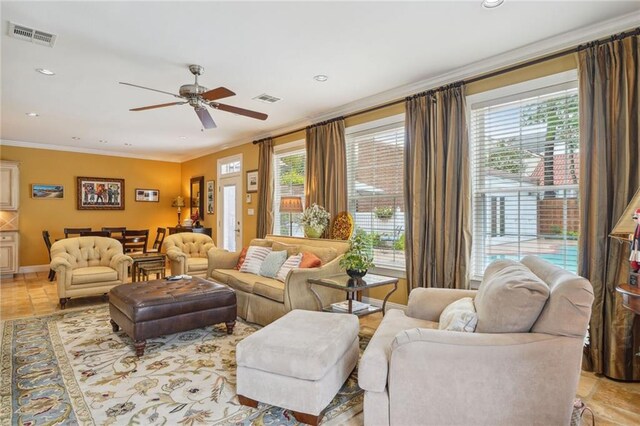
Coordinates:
(566, 257)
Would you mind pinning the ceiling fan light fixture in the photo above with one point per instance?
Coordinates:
(492, 4)
(45, 71)
(32, 114)
(321, 78)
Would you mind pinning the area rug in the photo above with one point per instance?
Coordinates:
(71, 368)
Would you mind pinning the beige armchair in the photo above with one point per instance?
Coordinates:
(88, 266)
(187, 253)
(414, 373)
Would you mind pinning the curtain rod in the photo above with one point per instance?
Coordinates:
(481, 77)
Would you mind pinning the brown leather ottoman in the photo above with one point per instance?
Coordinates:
(159, 307)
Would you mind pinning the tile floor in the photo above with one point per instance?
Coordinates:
(614, 403)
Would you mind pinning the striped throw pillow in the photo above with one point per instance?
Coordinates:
(254, 259)
(289, 264)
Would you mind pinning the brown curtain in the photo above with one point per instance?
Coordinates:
(326, 174)
(437, 191)
(265, 188)
(609, 176)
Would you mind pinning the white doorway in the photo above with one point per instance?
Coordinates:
(230, 203)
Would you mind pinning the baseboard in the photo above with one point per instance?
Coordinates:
(33, 268)
(378, 302)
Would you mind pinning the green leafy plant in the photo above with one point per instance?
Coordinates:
(359, 257)
(385, 212)
(399, 243)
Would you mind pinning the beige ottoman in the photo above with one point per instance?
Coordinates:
(298, 362)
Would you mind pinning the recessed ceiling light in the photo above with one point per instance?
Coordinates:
(32, 114)
(320, 77)
(45, 71)
(183, 137)
(491, 4)
(75, 138)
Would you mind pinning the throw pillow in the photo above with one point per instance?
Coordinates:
(510, 299)
(325, 254)
(272, 263)
(243, 255)
(289, 264)
(310, 260)
(459, 316)
(291, 249)
(254, 259)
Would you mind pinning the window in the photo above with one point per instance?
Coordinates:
(525, 176)
(230, 167)
(289, 176)
(375, 170)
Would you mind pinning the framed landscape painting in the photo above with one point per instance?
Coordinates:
(47, 192)
(100, 193)
(150, 195)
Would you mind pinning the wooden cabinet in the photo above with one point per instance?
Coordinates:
(9, 252)
(9, 185)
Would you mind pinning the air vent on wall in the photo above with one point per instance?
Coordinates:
(30, 34)
(267, 99)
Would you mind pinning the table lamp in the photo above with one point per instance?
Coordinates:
(290, 205)
(179, 203)
(626, 230)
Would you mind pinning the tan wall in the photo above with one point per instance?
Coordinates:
(59, 167)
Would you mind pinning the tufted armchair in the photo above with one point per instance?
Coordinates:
(187, 253)
(88, 266)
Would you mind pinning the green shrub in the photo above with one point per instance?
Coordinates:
(385, 212)
(399, 243)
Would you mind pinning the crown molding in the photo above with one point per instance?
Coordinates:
(52, 147)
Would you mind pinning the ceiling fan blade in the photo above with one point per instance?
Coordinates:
(148, 88)
(157, 106)
(218, 93)
(205, 118)
(239, 111)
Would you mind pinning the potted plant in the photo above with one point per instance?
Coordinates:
(383, 213)
(359, 258)
(314, 219)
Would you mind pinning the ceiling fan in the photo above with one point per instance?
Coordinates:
(198, 97)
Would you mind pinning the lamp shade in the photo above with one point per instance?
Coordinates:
(626, 225)
(291, 204)
(178, 202)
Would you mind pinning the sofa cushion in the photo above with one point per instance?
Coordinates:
(260, 242)
(239, 280)
(374, 364)
(197, 264)
(289, 264)
(310, 260)
(459, 316)
(326, 254)
(272, 263)
(254, 259)
(290, 248)
(509, 299)
(93, 274)
(269, 288)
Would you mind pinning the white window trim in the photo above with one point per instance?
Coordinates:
(230, 159)
(289, 146)
(280, 150)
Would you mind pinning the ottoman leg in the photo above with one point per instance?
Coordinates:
(114, 326)
(309, 419)
(230, 325)
(140, 345)
(248, 401)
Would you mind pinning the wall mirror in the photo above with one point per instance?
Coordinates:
(197, 196)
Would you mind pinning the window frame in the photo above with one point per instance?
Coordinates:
(279, 150)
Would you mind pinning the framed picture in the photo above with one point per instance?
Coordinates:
(100, 193)
(211, 184)
(252, 181)
(47, 192)
(149, 195)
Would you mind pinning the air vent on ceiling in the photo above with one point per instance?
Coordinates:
(30, 34)
(267, 99)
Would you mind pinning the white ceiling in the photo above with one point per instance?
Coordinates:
(252, 48)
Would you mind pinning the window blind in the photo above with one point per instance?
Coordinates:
(289, 173)
(375, 177)
(525, 176)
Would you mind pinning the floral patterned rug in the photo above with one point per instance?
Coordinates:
(71, 368)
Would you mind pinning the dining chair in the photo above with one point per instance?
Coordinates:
(115, 230)
(95, 234)
(75, 231)
(135, 241)
(157, 244)
(47, 242)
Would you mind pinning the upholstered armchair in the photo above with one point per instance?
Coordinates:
(187, 253)
(414, 373)
(88, 266)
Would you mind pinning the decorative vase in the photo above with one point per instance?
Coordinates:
(356, 275)
(310, 232)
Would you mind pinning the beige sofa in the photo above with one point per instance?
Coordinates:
(187, 253)
(88, 266)
(413, 373)
(263, 300)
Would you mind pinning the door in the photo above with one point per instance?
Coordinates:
(230, 203)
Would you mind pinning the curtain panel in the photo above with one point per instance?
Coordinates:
(326, 174)
(610, 175)
(265, 188)
(437, 191)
